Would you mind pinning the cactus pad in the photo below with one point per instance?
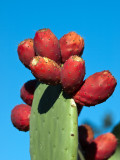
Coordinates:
(53, 125)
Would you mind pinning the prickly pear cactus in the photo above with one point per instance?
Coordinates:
(53, 116)
(53, 125)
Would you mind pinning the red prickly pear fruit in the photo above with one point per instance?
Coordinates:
(26, 51)
(71, 44)
(96, 89)
(101, 147)
(72, 74)
(20, 115)
(86, 135)
(45, 70)
(27, 91)
(47, 45)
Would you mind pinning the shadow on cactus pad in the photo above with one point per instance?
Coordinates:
(51, 94)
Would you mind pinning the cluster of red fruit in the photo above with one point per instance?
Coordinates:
(53, 62)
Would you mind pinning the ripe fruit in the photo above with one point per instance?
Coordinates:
(45, 70)
(102, 147)
(26, 51)
(72, 74)
(86, 135)
(27, 91)
(47, 45)
(96, 89)
(71, 44)
(20, 117)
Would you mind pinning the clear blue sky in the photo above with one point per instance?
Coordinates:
(98, 22)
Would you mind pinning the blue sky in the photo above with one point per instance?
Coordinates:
(96, 21)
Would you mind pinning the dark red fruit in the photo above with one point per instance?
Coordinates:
(96, 89)
(72, 74)
(20, 117)
(27, 91)
(47, 45)
(79, 109)
(45, 70)
(101, 148)
(86, 135)
(71, 44)
(26, 51)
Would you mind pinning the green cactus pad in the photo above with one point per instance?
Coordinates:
(116, 132)
(53, 125)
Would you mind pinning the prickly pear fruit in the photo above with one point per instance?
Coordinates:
(46, 44)
(72, 74)
(26, 51)
(71, 44)
(96, 89)
(102, 147)
(86, 135)
(27, 91)
(45, 70)
(20, 117)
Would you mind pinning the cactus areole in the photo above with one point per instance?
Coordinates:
(56, 96)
